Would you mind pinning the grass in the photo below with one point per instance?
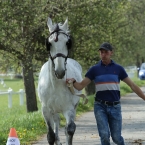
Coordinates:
(125, 89)
(30, 126)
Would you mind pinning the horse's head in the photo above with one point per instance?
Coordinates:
(58, 44)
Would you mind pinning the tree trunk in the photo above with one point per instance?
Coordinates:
(90, 89)
(28, 77)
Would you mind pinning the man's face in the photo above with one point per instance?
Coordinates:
(105, 54)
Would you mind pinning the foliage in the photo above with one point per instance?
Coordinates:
(137, 31)
(91, 23)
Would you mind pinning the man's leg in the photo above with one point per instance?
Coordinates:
(115, 123)
(101, 116)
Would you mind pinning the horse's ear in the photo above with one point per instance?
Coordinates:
(49, 23)
(65, 25)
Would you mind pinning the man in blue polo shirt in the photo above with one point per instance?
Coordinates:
(107, 109)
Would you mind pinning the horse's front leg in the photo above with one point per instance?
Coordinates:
(50, 125)
(70, 126)
(56, 128)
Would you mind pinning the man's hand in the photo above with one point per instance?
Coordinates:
(70, 80)
(78, 85)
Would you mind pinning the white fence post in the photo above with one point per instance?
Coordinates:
(10, 97)
(10, 92)
(21, 96)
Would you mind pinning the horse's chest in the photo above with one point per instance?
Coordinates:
(58, 102)
(55, 96)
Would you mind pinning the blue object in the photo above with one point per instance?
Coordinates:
(141, 72)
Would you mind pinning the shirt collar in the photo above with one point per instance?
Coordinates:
(112, 62)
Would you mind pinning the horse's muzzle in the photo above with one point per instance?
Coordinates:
(60, 74)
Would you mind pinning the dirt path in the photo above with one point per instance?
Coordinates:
(133, 113)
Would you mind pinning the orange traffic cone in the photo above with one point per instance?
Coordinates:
(13, 138)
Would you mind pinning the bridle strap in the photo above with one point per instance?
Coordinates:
(58, 55)
(57, 30)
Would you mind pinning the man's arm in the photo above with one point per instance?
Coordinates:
(79, 85)
(134, 87)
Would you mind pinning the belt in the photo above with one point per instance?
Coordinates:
(107, 103)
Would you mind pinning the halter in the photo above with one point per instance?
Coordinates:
(58, 31)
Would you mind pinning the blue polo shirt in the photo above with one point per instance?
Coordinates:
(107, 80)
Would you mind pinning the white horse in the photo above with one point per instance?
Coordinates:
(53, 91)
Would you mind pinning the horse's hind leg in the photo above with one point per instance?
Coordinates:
(70, 126)
(49, 121)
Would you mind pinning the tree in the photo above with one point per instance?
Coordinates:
(20, 29)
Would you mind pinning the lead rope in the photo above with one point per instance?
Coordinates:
(71, 88)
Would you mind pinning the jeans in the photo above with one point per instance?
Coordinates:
(109, 121)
